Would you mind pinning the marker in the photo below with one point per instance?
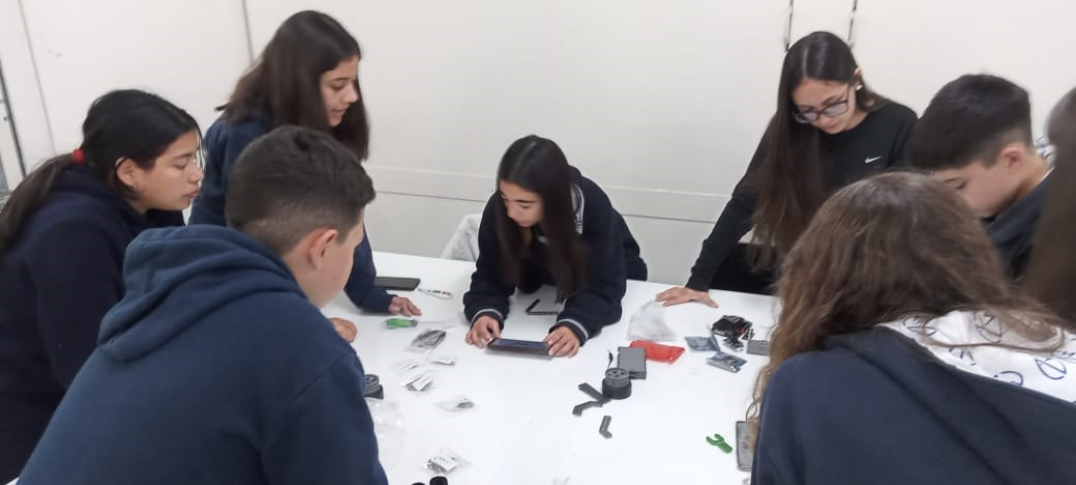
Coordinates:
(444, 295)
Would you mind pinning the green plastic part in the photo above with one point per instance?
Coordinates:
(719, 441)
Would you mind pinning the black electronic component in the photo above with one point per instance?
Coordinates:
(373, 387)
(617, 384)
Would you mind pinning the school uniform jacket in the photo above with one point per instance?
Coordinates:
(57, 281)
(612, 258)
(224, 142)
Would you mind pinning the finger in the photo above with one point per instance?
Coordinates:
(676, 300)
(470, 337)
(485, 336)
(495, 330)
(411, 304)
(415, 310)
(562, 348)
(575, 350)
(404, 310)
(556, 342)
(552, 338)
(556, 350)
(709, 301)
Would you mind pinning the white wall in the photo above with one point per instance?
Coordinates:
(661, 102)
(909, 49)
(69, 52)
(653, 103)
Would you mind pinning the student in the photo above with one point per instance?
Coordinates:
(63, 234)
(1051, 274)
(217, 367)
(306, 76)
(548, 224)
(829, 130)
(897, 363)
(975, 136)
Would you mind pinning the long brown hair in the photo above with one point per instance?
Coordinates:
(792, 181)
(1051, 276)
(285, 82)
(888, 247)
(538, 165)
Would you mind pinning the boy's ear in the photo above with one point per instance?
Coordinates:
(1012, 156)
(318, 246)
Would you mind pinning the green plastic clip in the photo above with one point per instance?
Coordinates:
(719, 441)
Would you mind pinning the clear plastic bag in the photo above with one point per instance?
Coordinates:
(421, 382)
(445, 462)
(649, 324)
(441, 359)
(426, 341)
(389, 430)
(457, 404)
(406, 365)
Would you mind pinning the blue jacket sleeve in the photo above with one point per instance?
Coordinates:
(360, 287)
(222, 153)
(597, 304)
(489, 294)
(327, 435)
(77, 273)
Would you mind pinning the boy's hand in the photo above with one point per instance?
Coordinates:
(345, 328)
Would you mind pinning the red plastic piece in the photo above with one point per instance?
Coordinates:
(658, 352)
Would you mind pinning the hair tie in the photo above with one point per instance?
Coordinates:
(79, 157)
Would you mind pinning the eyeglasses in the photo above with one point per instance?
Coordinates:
(831, 110)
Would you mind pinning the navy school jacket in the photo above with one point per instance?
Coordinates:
(613, 258)
(57, 281)
(224, 142)
(213, 369)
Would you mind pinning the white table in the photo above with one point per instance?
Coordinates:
(522, 431)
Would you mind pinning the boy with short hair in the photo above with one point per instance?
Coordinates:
(217, 367)
(976, 137)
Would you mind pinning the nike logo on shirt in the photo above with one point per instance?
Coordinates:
(872, 159)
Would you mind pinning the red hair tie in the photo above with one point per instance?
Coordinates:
(79, 157)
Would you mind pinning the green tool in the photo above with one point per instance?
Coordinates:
(718, 441)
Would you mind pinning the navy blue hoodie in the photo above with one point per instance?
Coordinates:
(214, 369)
(875, 407)
(59, 278)
(612, 259)
(224, 142)
(1013, 230)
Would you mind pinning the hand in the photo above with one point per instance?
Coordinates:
(676, 296)
(562, 342)
(345, 328)
(403, 306)
(484, 330)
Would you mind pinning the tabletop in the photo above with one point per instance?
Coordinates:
(521, 429)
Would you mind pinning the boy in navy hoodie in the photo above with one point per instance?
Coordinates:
(976, 138)
(217, 366)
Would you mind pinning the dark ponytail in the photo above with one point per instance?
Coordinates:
(129, 124)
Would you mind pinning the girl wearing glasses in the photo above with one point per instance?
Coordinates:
(829, 131)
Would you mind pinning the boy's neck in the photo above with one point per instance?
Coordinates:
(1035, 174)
